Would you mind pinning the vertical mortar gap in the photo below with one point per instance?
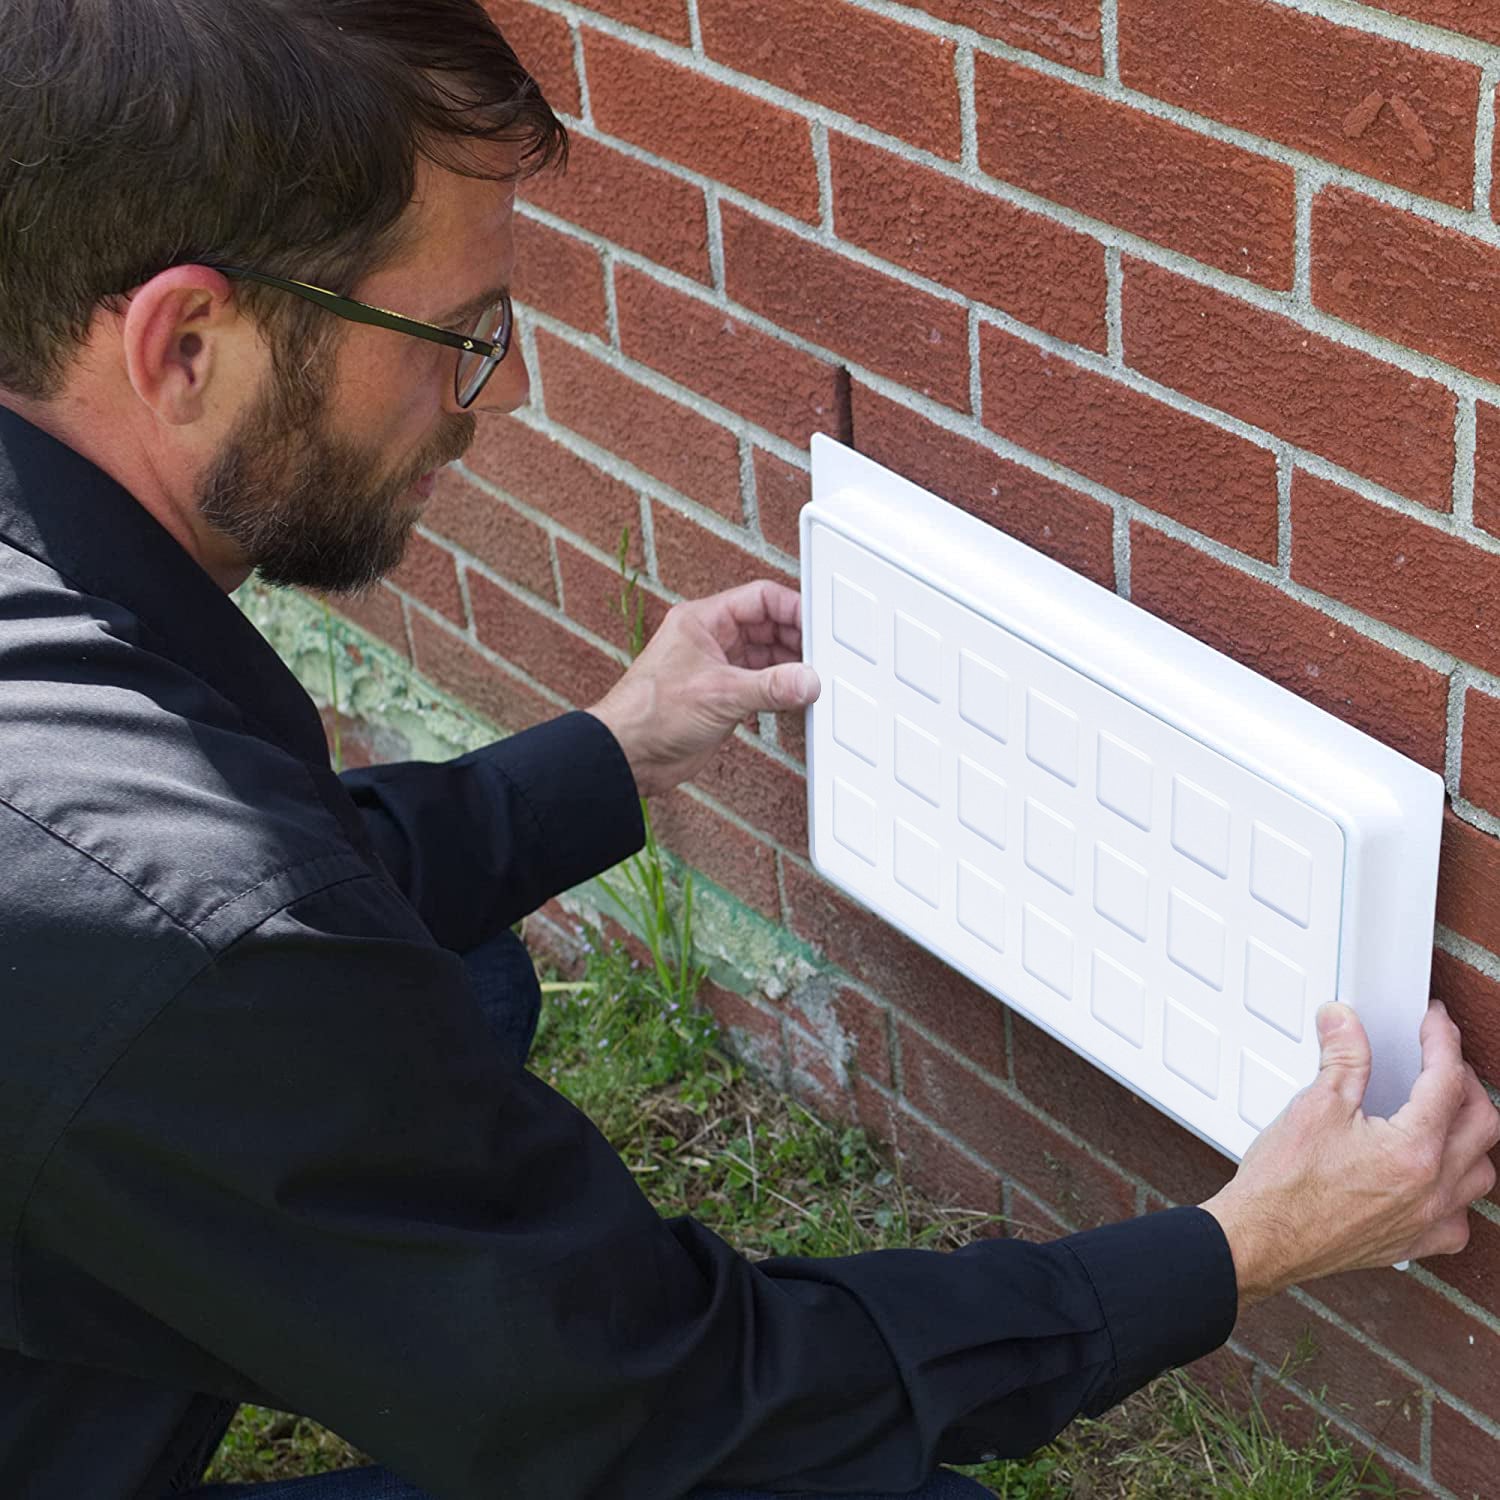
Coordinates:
(963, 69)
(749, 496)
(1114, 304)
(1458, 692)
(976, 386)
(1306, 190)
(585, 104)
(555, 558)
(1465, 458)
(695, 27)
(1109, 27)
(1484, 142)
(1122, 550)
(611, 303)
(825, 177)
(648, 537)
(715, 239)
(1284, 467)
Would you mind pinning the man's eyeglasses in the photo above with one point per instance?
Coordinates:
(480, 351)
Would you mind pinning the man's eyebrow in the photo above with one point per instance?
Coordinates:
(474, 306)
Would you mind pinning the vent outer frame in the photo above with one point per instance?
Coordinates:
(1386, 808)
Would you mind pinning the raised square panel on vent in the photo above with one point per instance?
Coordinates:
(1159, 856)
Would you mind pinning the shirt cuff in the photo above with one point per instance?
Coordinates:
(581, 794)
(1167, 1288)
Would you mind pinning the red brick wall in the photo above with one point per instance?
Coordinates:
(1202, 299)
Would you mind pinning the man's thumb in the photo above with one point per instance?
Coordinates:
(779, 690)
(1345, 1061)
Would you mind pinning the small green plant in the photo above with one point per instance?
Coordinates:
(333, 688)
(646, 893)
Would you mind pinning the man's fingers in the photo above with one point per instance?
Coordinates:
(1345, 1059)
(1439, 1091)
(729, 614)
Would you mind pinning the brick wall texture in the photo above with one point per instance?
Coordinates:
(1201, 299)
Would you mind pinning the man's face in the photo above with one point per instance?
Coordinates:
(324, 476)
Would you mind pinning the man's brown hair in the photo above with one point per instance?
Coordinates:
(283, 135)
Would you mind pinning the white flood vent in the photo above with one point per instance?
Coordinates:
(1162, 858)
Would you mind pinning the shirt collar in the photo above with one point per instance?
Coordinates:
(70, 515)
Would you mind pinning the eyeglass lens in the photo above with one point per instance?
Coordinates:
(493, 326)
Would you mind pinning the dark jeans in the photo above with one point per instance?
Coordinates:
(505, 983)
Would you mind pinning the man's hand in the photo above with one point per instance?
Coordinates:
(1326, 1188)
(713, 663)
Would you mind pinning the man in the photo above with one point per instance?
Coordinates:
(264, 1130)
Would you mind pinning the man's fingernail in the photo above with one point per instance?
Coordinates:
(807, 682)
(1330, 1018)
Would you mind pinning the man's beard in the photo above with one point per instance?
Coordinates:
(310, 509)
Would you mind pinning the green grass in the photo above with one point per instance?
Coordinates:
(704, 1137)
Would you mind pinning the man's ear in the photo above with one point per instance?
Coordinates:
(174, 337)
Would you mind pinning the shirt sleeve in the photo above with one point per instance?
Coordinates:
(478, 842)
(300, 1187)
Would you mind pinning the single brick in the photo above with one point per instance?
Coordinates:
(1487, 467)
(1217, 203)
(1032, 1220)
(759, 148)
(739, 862)
(847, 308)
(1400, 701)
(1481, 750)
(544, 43)
(1075, 530)
(781, 492)
(698, 345)
(668, 18)
(893, 77)
(864, 1026)
(1476, 18)
(569, 665)
(1465, 1458)
(817, 1079)
(971, 242)
(1469, 882)
(1177, 464)
(791, 735)
(1474, 999)
(1261, 367)
(1067, 31)
(1399, 569)
(1366, 102)
(591, 596)
(494, 532)
(380, 611)
(754, 1027)
(897, 969)
(538, 471)
(560, 276)
(1123, 1126)
(768, 795)
(934, 1166)
(430, 573)
(1421, 1326)
(454, 665)
(1421, 284)
(1314, 1354)
(639, 207)
(1077, 1186)
(1475, 1271)
(663, 437)
(694, 563)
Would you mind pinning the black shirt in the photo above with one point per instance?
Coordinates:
(255, 1144)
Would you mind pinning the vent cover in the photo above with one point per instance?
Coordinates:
(1162, 858)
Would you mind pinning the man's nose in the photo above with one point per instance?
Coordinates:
(509, 388)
